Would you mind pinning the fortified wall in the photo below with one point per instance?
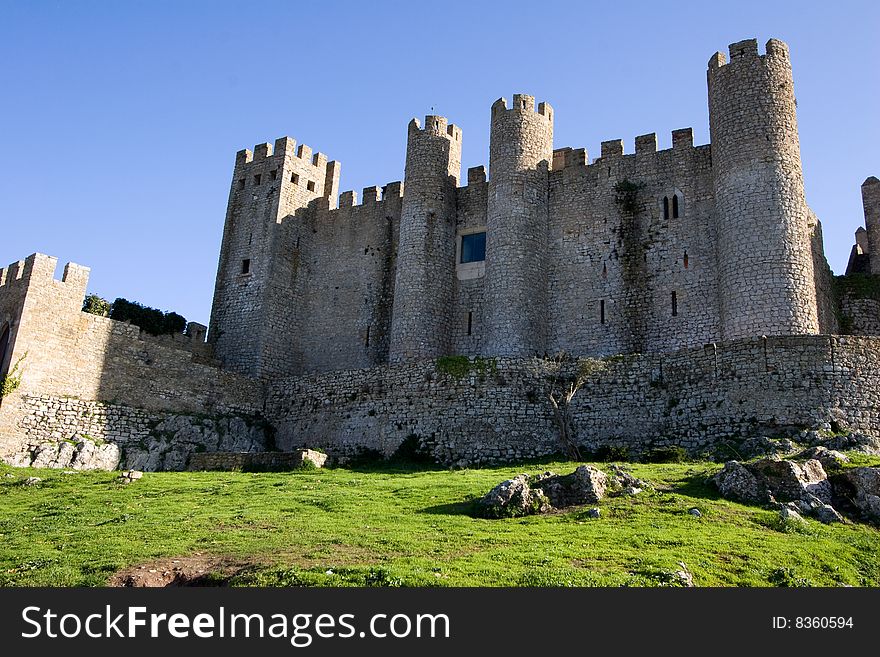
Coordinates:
(647, 251)
(693, 279)
(94, 390)
(497, 409)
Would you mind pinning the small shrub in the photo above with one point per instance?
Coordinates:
(95, 305)
(151, 320)
(12, 381)
(457, 367)
(609, 453)
(671, 454)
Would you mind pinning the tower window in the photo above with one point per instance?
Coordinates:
(310, 185)
(473, 247)
(274, 174)
(675, 207)
(604, 270)
(685, 259)
(367, 338)
(4, 345)
(241, 183)
(602, 311)
(246, 266)
(257, 179)
(666, 207)
(294, 178)
(674, 304)
(470, 323)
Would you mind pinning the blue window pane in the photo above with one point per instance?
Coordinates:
(473, 247)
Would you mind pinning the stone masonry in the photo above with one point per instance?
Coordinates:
(692, 278)
(647, 252)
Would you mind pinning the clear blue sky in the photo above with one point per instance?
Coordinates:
(119, 121)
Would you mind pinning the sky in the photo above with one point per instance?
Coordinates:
(120, 120)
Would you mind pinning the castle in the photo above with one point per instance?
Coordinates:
(699, 268)
(628, 253)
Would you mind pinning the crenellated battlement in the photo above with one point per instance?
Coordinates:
(748, 50)
(436, 126)
(682, 140)
(522, 103)
(284, 147)
(372, 195)
(39, 269)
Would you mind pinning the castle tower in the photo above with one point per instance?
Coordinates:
(871, 203)
(766, 284)
(253, 314)
(520, 152)
(421, 323)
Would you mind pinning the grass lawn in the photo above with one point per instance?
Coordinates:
(398, 526)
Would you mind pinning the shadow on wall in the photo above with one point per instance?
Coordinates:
(99, 394)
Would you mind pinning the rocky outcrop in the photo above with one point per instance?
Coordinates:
(138, 441)
(513, 498)
(77, 454)
(855, 441)
(524, 495)
(805, 488)
(622, 482)
(829, 458)
(773, 479)
(858, 490)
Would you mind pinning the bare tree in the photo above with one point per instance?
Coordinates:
(560, 377)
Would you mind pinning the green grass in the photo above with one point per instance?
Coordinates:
(398, 527)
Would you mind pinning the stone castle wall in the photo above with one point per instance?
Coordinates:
(614, 270)
(765, 263)
(90, 378)
(645, 252)
(693, 397)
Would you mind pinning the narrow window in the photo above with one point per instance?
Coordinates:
(4, 345)
(674, 304)
(602, 311)
(310, 185)
(666, 207)
(675, 207)
(473, 247)
(257, 179)
(685, 259)
(246, 266)
(470, 322)
(274, 174)
(241, 183)
(294, 178)
(367, 338)
(604, 270)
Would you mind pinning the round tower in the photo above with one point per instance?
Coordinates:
(765, 265)
(421, 322)
(520, 153)
(871, 204)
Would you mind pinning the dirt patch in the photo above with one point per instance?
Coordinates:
(194, 570)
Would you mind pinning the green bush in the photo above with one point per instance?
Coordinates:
(609, 453)
(151, 320)
(95, 305)
(672, 454)
(457, 367)
(11, 382)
